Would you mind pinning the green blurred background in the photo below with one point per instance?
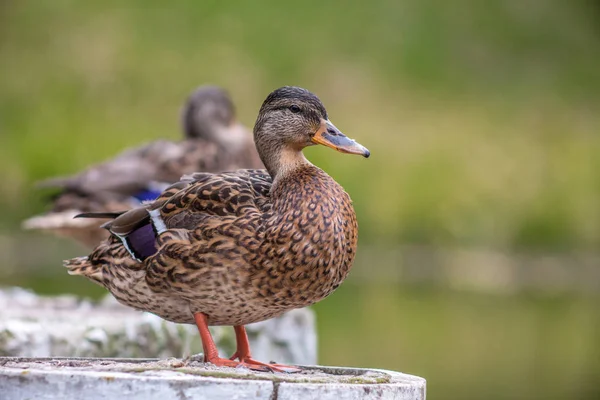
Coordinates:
(478, 265)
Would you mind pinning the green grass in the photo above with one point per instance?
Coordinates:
(482, 123)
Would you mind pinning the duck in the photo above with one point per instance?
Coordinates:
(238, 247)
(214, 141)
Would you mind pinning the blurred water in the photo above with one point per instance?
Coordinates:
(468, 345)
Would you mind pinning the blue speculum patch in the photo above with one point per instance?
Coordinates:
(147, 194)
(142, 241)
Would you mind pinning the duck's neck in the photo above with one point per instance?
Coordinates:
(230, 137)
(233, 137)
(281, 161)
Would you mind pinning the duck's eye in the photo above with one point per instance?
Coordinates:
(295, 109)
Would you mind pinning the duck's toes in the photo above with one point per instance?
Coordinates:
(272, 367)
(253, 365)
(224, 362)
(288, 369)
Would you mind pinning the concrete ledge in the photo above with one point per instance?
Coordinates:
(133, 379)
(64, 326)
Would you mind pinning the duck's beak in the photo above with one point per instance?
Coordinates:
(330, 136)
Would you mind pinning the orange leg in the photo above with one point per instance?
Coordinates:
(211, 354)
(243, 353)
(208, 344)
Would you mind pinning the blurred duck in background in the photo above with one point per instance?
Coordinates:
(214, 141)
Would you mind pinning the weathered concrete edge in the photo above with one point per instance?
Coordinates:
(21, 384)
(408, 387)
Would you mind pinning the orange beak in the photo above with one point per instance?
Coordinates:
(330, 136)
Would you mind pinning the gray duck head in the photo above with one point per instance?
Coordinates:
(208, 114)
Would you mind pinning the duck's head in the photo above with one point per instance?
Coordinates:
(292, 118)
(209, 114)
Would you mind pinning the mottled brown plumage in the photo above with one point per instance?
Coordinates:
(214, 142)
(239, 247)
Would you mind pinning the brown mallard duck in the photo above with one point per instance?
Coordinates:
(238, 247)
(214, 142)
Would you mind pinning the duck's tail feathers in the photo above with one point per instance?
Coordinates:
(100, 215)
(68, 219)
(54, 220)
(83, 266)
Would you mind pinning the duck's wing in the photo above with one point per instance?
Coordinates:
(120, 255)
(184, 218)
(195, 204)
(127, 173)
(229, 194)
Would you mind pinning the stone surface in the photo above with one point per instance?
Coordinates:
(72, 378)
(37, 326)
